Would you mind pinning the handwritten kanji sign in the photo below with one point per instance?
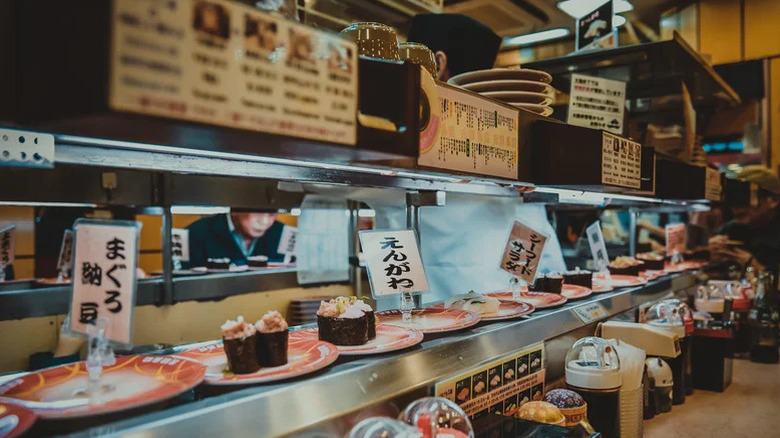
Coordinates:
(393, 261)
(66, 252)
(104, 277)
(7, 245)
(523, 251)
(598, 248)
(180, 244)
(288, 240)
(675, 239)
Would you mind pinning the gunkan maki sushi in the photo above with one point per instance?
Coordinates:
(271, 340)
(238, 338)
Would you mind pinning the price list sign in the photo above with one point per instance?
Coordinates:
(288, 240)
(104, 277)
(621, 162)
(597, 103)
(225, 63)
(393, 261)
(475, 136)
(523, 251)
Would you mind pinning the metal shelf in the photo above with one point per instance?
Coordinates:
(352, 384)
(55, 300)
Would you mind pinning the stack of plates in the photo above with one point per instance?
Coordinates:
(304, 310)
(520, 87)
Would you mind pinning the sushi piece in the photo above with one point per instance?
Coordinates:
(481, 304)
(651, 260)
(579, 278)
(259, 261)
(223, 263)
(271, 340)
(551, 282)
(343, 321)
(238, 338)
(625, 266)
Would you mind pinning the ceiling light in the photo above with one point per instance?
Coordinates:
(578, 8)
(545, 35)
(618, 20)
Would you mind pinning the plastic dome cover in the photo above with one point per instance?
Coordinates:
(710, 292)
(685, 312)
(659, 370)
(664, 313)
(435, 416)
(383, 427)
(593, 363)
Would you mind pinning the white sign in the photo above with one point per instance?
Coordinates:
(597, 103)
(621, 161)
(7, 245)
(322, 251)
(523, 251)
(393, 261)
(180, 244)
(598, 249)
(225, 63)
(590, 312)
(288, 240)
(475, 135)
(713, 187)
(104, 277)
(675, 239)
(65, 261)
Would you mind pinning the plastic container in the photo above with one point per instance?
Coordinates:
(685, 343)
(383, 427)
(593, 371)
(435, 416)
(667, 315)
(631, 413)
(662, 384)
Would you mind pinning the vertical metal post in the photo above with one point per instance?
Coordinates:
(413, 222)
(355, 272)
(633, 232)
(164, 192)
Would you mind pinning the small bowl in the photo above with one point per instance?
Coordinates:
(374, 40)
(419, 54)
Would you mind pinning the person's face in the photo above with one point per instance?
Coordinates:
(253, 225)
(756, 215)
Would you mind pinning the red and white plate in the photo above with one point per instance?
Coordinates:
(506, 310)
(575, 292)
(620, 280)
(600, 287)
(304, 356)
(652, 274)
(684, 266)
(431, 319)
(132, 382)
(539, 300)
(14, 420)
(388, 338)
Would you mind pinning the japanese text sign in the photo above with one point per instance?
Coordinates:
(66, 252)
(523, 251)
(621, 161)
(675, 239)
(595, 30)
(7, 245)
(598, 249)
(597, 103)
(104, 277)
(288, 240)
(393, 261)
(180, 244)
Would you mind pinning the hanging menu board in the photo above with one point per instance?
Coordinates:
(501, 386)
(475, 135)
(225, 63)
(621, 162)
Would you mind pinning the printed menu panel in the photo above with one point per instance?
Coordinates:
(475, 136)
(506, 383)
(225, 63)
(597, 103)
(621, 162)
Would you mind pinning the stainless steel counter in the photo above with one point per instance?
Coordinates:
(351, 384)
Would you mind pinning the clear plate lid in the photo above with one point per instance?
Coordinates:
(436, 416)
(593, 363)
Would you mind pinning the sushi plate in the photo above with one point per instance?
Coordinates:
(542, 110)
(304, 356)
(501, 73)
(134, 381)
(575, 292)
(539, 300)
(652, 274)
(506, 310)
(510, 85)
(14, 420)
(520, 97)
(388, 338)
(620, 280)
(431, 319)
(601, 287)
(684, 266)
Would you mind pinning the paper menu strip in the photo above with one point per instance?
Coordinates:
(621, 162)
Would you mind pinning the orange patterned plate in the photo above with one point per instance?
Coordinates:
(575, 292)
(683, 266)
(620, 280)
(431, 319)
(388, 338)
(132, 382)
(506, 310)
(304, 356)
(14, 420)
(539, 300)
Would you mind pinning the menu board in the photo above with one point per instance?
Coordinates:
(225, 63)
(104, 277)
(713, 186)
(621, 162)
(594, 29)
(475, 135)
(597, 103)
(501, 386)
(598, 249)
